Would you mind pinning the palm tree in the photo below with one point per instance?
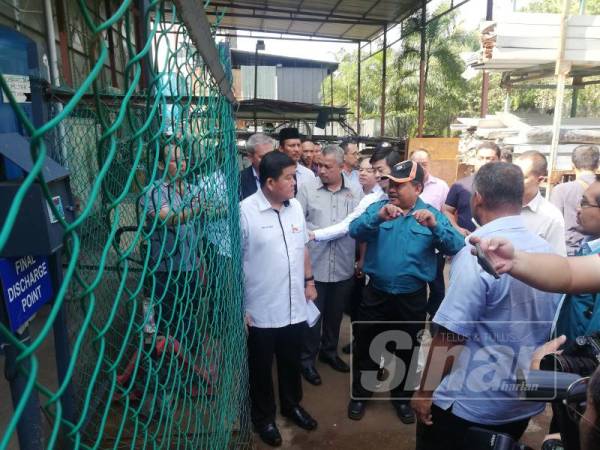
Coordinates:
(443, 68)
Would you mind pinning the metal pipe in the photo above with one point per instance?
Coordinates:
(255, 86)
(358, 94)
(55, 75)
(331, 112)
(422, 81)
(383, 77)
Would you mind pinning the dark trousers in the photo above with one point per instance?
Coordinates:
(437, 288)
(397, 309)
(285, 344)
(355, 298)
(448, 431)
(325, 334)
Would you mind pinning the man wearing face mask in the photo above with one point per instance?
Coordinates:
(402, 235)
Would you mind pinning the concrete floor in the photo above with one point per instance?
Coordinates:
(379, 429)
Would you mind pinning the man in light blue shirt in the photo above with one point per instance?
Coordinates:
(490, 326)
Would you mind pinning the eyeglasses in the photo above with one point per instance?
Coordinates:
(585, 204)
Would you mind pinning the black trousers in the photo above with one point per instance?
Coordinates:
(448, 431)
(325, 334)
(437, 288)
(396, 309)
(283, 343)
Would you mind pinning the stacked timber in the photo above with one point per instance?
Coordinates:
(526, 131)
(523, 40)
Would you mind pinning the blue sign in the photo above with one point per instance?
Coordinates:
(26, 287)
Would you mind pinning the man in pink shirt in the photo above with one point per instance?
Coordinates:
(435, 191)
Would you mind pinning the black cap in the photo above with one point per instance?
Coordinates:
(288, 133)
(406, 171)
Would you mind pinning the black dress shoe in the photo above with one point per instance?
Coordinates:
(347, 349)
(404, 412)
(311, 375)
(270, 435)
(301, 418)
(335, 362)
(356, 409)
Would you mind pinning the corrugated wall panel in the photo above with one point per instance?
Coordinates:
(295, 84)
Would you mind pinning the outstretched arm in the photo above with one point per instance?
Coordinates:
(543, 271)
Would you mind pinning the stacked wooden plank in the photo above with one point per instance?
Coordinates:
(523, 40)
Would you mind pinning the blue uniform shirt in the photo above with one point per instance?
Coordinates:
(503, 321)
(400, 256)
(580, 313)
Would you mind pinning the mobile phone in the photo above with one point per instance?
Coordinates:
(484, 262)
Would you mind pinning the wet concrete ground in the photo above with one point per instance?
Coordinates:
(379, 429)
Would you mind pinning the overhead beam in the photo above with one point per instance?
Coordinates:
(200, 33)
(289, 14)
(221, 27)
(329, 15)
(293, 11)
(282, 38)
(320, 20)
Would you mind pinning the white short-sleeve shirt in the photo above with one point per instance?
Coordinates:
(273, 261)
(544, 219)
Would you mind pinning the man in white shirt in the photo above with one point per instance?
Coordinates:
(383, 159)
(290, 144)
(541, 217)
(435, 189)
(278, 283)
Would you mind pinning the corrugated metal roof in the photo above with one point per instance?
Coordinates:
(354, 20)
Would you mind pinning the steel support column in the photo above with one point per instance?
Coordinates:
(421, 116)
(383, 79)
(358, 94)
(331, 111)
(485, 81)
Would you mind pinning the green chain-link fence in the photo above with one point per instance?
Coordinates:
(151, 263)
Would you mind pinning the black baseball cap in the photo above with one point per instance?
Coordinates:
(406, 171)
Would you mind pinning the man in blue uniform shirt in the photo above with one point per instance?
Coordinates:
(402, 235)
(488, 329)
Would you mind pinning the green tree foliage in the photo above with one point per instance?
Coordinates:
(448, 95)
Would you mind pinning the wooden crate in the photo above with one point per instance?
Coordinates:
(444, 156)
